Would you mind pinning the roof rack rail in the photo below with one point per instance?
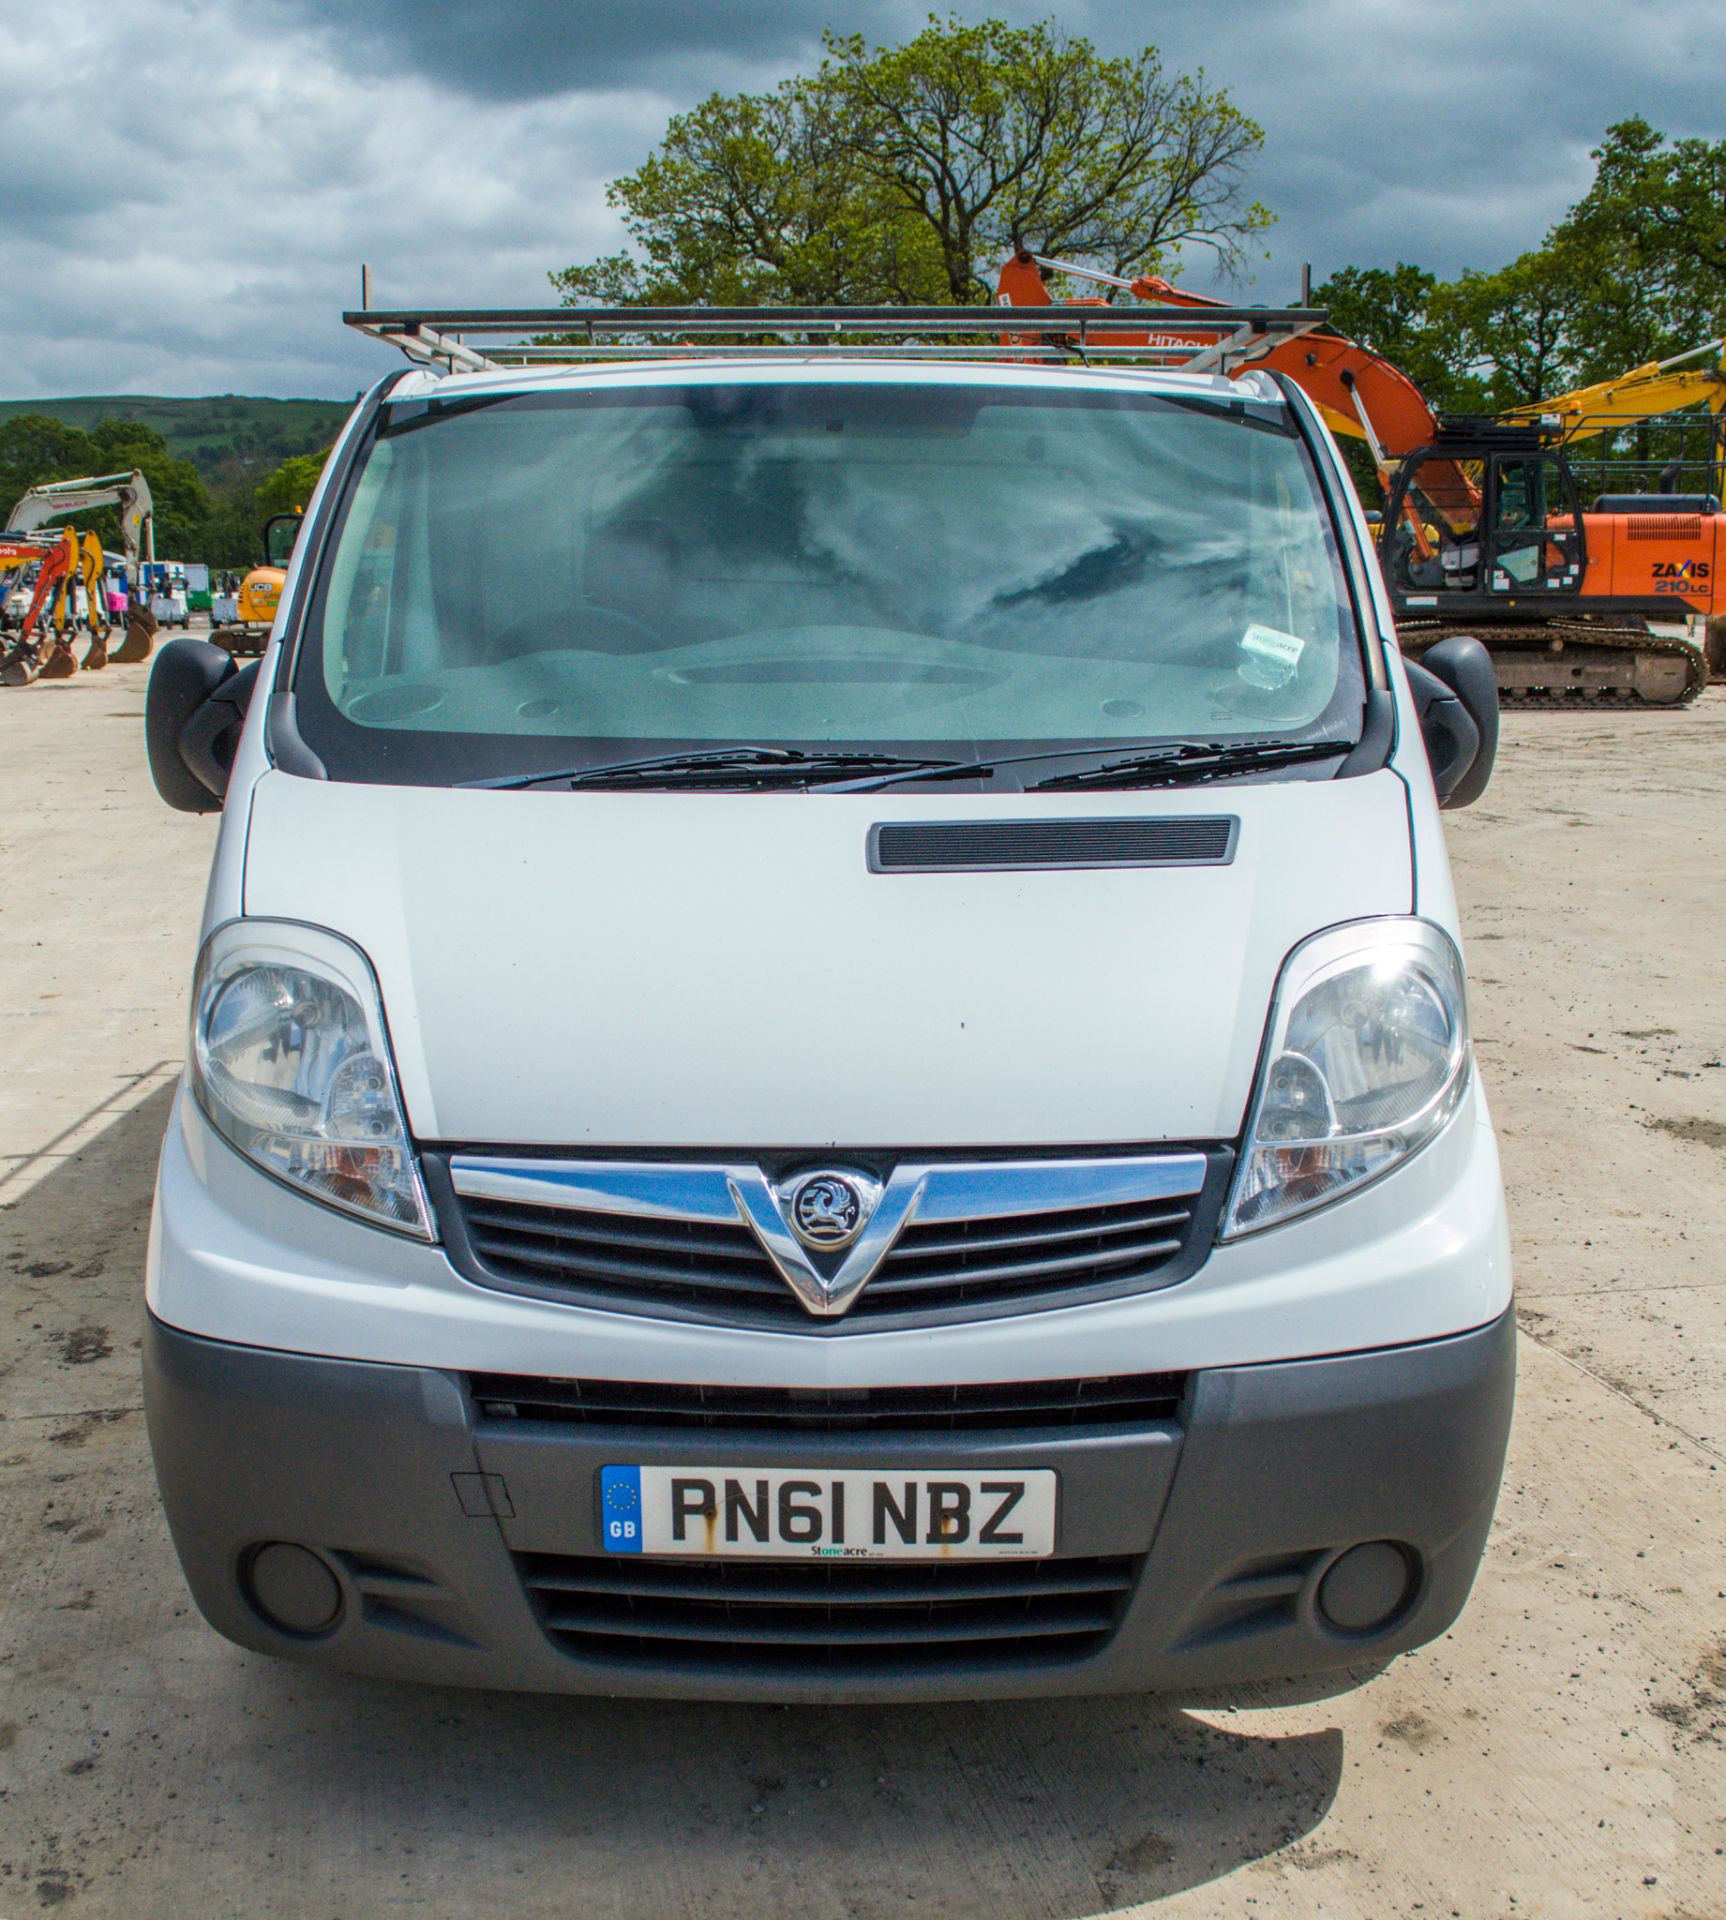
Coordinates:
(1192, 339)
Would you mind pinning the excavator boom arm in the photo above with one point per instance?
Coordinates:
(130, 492)
(1359, 392)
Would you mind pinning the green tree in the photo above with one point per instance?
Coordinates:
(1634, 272)
(1390, 310)
(289, 488)
(182, 501)
(1512, 334)
(988, 135)
(35, 449)
(756, 200)
(1649, 238)
(908, 173)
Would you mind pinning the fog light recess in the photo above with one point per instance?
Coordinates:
(293, 1588)
(1367, 1587)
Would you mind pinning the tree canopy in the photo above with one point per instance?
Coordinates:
(194, 521)
(1634, 272)
(36, 449)
(908, 173)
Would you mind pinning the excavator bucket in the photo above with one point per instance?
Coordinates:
(140, 636)
(61, 662)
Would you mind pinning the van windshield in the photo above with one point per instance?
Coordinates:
(947, 570)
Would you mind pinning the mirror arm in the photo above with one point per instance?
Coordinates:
(1377, 735)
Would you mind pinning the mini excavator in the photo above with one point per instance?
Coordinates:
(43, 647)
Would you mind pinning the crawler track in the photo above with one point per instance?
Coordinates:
(1577, 662)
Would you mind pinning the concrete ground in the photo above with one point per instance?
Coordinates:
(1559, 1753)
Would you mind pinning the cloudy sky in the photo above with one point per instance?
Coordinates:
(187, 187)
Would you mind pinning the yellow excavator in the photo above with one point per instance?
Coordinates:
(245, 628)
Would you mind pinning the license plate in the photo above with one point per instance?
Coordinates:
(817, 1514)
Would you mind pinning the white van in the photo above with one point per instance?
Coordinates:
(830, 1056)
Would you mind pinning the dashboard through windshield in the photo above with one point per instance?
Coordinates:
(940, 569)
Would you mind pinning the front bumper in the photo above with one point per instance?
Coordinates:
(430, 1513)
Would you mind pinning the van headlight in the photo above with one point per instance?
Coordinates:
(1365, 1061)
(291, 1063)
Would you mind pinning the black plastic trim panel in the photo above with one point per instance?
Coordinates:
(1007, 846)
(1121, 1400)
(429, 1517)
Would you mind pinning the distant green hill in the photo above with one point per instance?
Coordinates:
(211, 431)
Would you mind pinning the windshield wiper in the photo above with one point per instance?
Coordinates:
(1159, 757)
(735, 766)
(1193, 760)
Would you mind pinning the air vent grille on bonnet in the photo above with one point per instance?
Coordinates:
(984, 846)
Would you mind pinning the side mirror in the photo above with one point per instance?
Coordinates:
(1456, 695)
(193, 713)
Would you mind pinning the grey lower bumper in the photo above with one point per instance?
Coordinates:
(428, 1515)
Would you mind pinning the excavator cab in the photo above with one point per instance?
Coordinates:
(1486, 515)
(281, 530)
(1484, 532)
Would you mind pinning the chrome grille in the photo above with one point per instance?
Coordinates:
(618, 1260)
(969, 1239)
(998, 1259)
(821, 1617)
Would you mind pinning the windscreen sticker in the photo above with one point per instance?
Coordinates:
(1272, 655)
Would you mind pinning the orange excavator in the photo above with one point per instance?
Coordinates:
(1483, 529)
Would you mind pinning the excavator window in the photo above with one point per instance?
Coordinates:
(1434, 542)
(1536, 528)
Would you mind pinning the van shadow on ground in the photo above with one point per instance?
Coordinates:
(216, 1766)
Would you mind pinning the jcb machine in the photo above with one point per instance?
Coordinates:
(260, 592)
(1484, 529)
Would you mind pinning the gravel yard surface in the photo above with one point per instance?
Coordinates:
(1561, 1752)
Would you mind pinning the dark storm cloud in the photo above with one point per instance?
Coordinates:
(203, 231)
(531, 48)
(1453, 134)
(1449, 134)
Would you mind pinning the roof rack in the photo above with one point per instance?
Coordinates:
(1195, 340)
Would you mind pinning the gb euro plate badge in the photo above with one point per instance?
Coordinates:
(818, 1514)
